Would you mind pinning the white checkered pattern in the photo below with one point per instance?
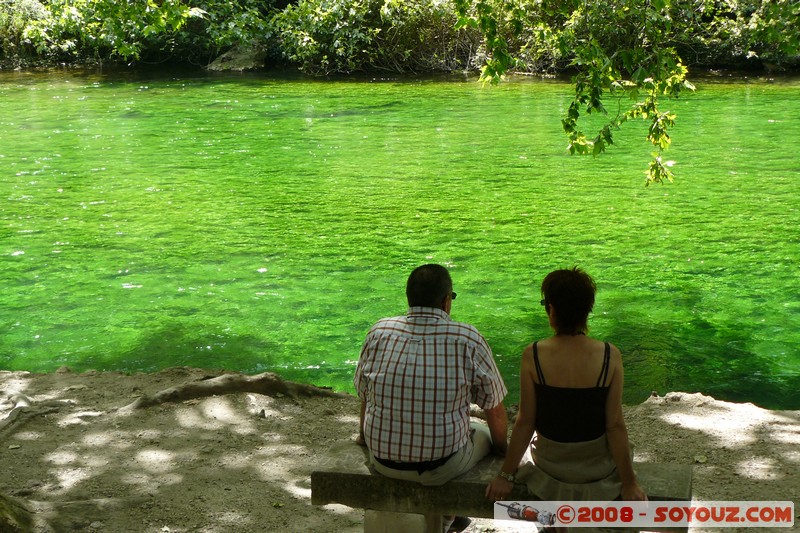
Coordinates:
(418, 374)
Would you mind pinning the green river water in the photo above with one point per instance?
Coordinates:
(260, 223)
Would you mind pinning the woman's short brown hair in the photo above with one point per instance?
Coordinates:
(570, 292)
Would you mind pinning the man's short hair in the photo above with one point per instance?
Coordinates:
(428, 286)
(571, 294)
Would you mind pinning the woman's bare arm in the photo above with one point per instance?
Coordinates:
(523, 430)
(617, 432)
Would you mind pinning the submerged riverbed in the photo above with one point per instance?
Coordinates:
(264, 223)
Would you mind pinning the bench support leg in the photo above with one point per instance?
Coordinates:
(433, 523)
(389, 522)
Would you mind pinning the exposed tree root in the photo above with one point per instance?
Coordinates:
(25, 409)
(75, 515)
(22, 516)
(268, 383)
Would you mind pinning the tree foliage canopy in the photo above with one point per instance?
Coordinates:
(329, 36)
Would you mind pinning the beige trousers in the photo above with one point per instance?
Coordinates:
(478, 447)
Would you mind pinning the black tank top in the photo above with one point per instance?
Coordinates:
(571, 414)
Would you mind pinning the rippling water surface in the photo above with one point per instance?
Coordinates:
(261, 223)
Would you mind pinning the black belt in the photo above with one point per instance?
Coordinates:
(422, 466)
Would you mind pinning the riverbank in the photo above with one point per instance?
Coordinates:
(241, 462)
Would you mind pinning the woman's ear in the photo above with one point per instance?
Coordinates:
(551, 315)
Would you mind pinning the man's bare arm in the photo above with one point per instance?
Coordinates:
(497, 419)
(360, 439)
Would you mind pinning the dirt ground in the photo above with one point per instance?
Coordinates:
(242, 462)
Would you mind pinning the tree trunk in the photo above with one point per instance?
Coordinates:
(15, 516)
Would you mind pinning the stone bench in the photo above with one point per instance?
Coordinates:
(343, 476)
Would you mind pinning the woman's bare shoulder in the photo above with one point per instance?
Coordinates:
(615, 353)
(611, 345)
(615, 358)
(527, 353)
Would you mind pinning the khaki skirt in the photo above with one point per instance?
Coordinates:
(570, 471)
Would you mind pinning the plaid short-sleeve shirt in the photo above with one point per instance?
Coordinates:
(417, 375)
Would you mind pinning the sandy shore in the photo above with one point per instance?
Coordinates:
(241, 462)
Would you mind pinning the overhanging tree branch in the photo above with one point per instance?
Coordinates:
(620, 49)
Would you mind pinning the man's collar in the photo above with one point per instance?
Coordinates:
(427, 312)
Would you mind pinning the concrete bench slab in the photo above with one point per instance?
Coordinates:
(345, 477)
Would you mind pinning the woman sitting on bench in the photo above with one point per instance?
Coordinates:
(570, 413)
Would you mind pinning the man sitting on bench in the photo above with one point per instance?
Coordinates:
(416, 376)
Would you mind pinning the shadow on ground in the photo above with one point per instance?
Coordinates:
(238, 462)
